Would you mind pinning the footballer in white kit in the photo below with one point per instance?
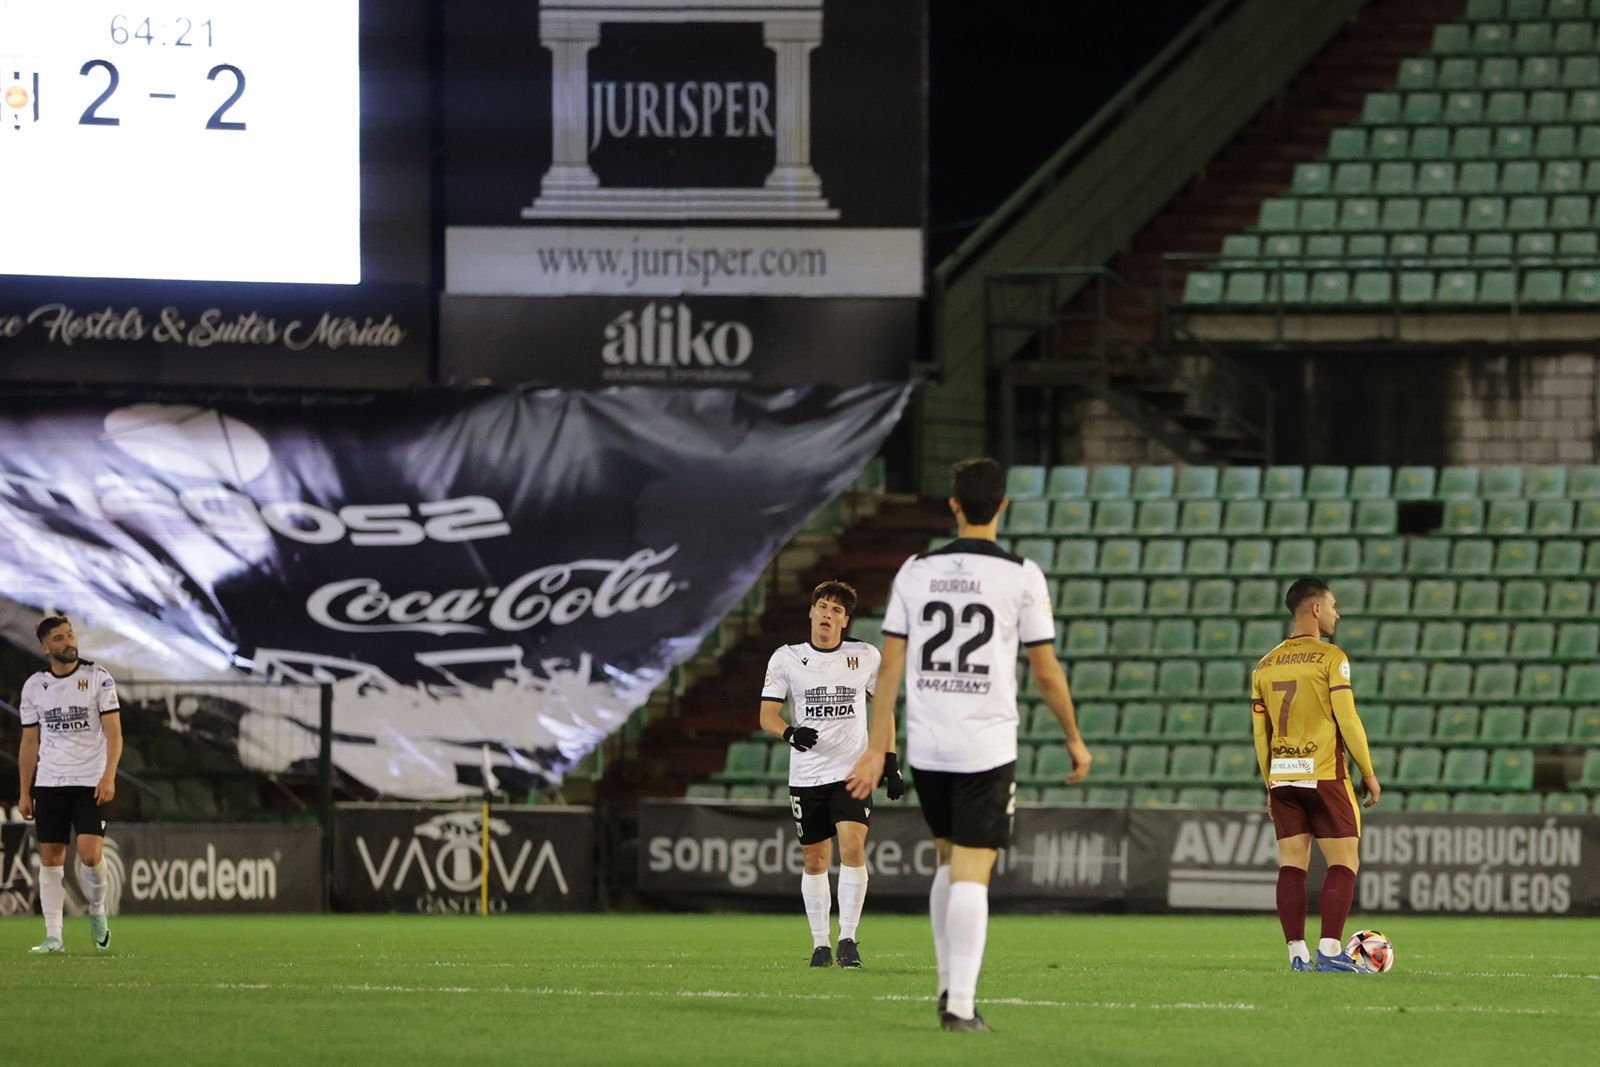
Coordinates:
(827, 682)
(956, 618)
(71, 744)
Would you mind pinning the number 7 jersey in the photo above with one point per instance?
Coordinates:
(963, 609)
(1297, 687)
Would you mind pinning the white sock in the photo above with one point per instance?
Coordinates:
(938, 905)
(94, 888)
(966, 926)
(819, 901)
(1298, 951)
(1329, 947)
(852, 895)
(52, 895)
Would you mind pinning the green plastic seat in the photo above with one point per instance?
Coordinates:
(1510, 769)
(1456, 724)
(1237, 799)
(747, 760)
(1204, 798)
(1578, 641)
(1516, 558)
(1569, 600)
(1427, 801)
(778, 763)
(1222, 678)
(1338, 555)
(1463, 517)
(1212, 596)
(1075, 556)
(1196, 482)
(1260, 636)
(1178, 678)
(1169, 595)
(1095, 720)
(1089, 678)
(1415, 483)
(1523, 598)
(1230, 720)
(1451, 38)
(1582, 685)
(1085, 637)
(1153, 797)
(1141, 722)
(1588, 517)
(1250, 555)
(1352, 595)
(1257, 597)
(1383, 109)
(1027, 516)
(1403, 681)
(1399, 638)
(1110, 482)
(1508, 517)
(1297, 556)
(1120, 555)
(1042, 550)
(1125, 596)
(1521, 803)
(1583, 482)
(706, 791)
(1201, 517)
(1203, 287)
(1371, 483)
(1069, 517)
(1472, 557)
(1327, 483)
(1208, 556)
(1239, 483)
(1186, 721)
(1235, 763)
(1417, 74)
(1494, 682)
(1377, 517)
(1245, 517)
(1389, 596)
(1443, 640)
(1080, 596)
(750, 793)
(1289, 517)
(1502, 725)
(1384, 762)
(1215, 637)
(1145, 763)
(1566, 804)
(1153, 482)
(1283, 483)
(1067, 483)
(1475, 804)
(1190, 763)
(1113, 517)
(1533, 640)
(1428, 555)
(1586, 727)
(1551, 518)
(1465, 768)
(1412, 723)
(1377, 720)
(1025, 483)
(1418, 767)
(1131, 637)
(1449, 681)
(1357, 636)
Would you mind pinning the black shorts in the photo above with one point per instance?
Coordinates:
(60, 809)
(971, 810)
(818, 808)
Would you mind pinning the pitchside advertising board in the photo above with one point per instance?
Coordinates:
(155, 869)
(717, 854)
(640, 159)
(238, 195)
(429, 860)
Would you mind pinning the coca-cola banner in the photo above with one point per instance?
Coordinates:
(515, 569)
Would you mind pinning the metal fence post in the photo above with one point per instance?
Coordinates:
(325, 793)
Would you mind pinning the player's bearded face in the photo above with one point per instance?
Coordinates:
(62, 646)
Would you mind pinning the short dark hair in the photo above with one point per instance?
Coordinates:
(979, 485)
(50, 622)
(1303, 590)
(833, 589)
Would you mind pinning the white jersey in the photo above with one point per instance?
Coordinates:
(827, 690)
(72, 743)
(962, 610)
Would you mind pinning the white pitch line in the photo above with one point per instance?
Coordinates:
(1017, 1002)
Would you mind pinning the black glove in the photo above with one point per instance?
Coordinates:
(891, 776)
(803, 738)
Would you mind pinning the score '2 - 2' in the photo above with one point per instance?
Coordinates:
(92, 117)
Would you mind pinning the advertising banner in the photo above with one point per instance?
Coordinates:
(721, 851)
(181, 869)
(517, 570)
(428, 860)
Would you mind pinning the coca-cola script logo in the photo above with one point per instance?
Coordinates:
(559, 593)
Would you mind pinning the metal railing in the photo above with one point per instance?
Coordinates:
(1027, 306)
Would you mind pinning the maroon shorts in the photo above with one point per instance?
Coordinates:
(1329, 810)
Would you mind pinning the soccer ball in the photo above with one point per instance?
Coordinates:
(1372, 952)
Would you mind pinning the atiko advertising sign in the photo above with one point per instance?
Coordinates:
(514, 569)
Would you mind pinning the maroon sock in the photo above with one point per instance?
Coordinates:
(1338, 891)
(1292, 903)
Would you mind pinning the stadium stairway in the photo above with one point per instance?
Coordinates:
(721, 706)
(1260, 162)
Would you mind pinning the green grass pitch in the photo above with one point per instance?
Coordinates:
(728, 989)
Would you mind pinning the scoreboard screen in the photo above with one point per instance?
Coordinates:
(180, 141)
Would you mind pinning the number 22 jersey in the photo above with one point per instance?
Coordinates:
(963, 609)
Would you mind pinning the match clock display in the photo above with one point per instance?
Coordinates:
(217, 143)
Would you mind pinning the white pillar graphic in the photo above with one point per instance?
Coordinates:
(569, 41)
(793, 40)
